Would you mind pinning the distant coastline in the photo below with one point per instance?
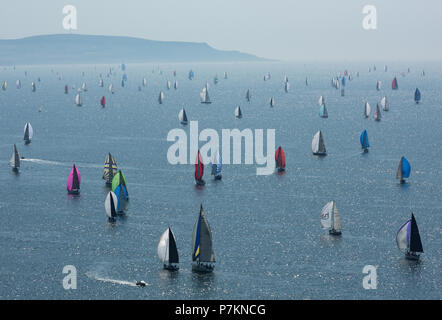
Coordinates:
(84, 49)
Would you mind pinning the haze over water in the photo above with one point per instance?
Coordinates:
(266, 233)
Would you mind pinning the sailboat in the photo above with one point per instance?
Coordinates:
(318, 145)
(203, 257)
(100, 83)
(182, 116)
(238, 112)
(4, 85)
(33, 86)
(323, 113)
(225, 75)
(168, 85)
(120, 189)
(103, 101)
(15, 159)
(417, 96)
(110, 169)
(280, 159)
(217, 166)
(403, 170)
(78, 100)
(175, 85)
(66, 89)
(364, 141)
(204, 95)
(199, 170)
(74, 180)
(191, 75)
(384, 104)
(321, 101)
(161, 97)
(83, 86)
(29, 132)
(144, 82)
(408, 239)
(342, 92)
(272, 102)
(306, 81)
(377, 115)
(330, 219)
(378, 85)
(286, 86)
(167, 251)
(111, 88)
(248, 95)
(18, 84)
(394, 84)
(367, 109)
(110, 205)
(215, 80)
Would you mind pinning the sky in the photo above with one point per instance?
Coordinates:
(292, 30)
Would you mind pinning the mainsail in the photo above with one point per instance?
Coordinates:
(167, 249)
(377, 115)
(78, 100)
(204, 95)
(182, 116)
(216, 164)
(318, 145)
(330, 217)
(384, 104)
(323, 113)
(367, 109)
(202, 250)
(29, 132)
(15, 159)
(238, 112)
(161, 97)
(417, 95)
(110, 168)
(394, 84)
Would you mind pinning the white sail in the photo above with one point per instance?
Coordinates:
(182, 116)
(144, 82)
(321, 101)
(336, 219)
(238, 112)
(33, 86)
(83, 87)
(384, 104)
(287, 86)
(402, 239)
(78, 101)
(111, 88)
(326, 215)
(204, 95)
(30, 130)
(108, 205)
(318, 145)
(15, 159)
(161, 97)
(163, 247)
(4, 85)
(168, 85)
(367, 109)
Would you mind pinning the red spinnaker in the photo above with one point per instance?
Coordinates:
(394, 84)
(199, 167)
(280, 158)
(103, 101)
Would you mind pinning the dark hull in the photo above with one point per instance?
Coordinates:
(334, 232)
(200, 182)
(319, 153)
(204, 267)
(74, 191)
(171, 267)
(218, 177)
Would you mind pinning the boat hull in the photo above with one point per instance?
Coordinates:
(206, 102)
(412, 256)
(171, 266)
(74, 191)
(319, 153)
(200, 182)
(218, 177)
(203, 267)
(334, 232)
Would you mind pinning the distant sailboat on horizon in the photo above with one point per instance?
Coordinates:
(204, 95)
(384, 104)
(323, 113)
(377, 115)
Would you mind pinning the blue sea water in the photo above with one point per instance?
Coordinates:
(267, 238)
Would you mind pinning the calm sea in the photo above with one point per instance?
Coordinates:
(267, 238)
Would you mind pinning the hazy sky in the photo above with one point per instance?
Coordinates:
(279, 29)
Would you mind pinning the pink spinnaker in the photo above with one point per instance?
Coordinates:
(74, 179)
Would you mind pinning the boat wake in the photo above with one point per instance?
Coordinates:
(116, 281)
(40, 161)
